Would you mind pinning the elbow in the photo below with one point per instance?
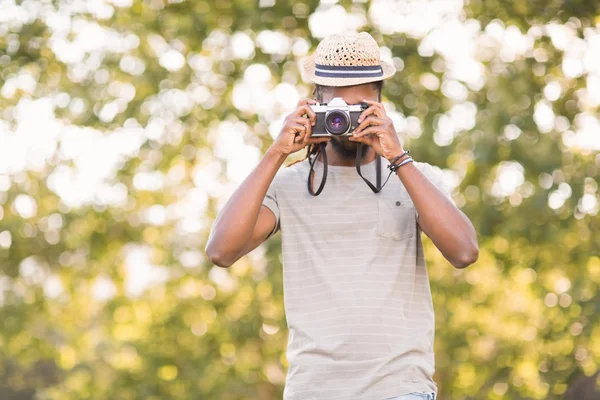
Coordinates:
(219, 260)
(468, 258)
(218, 257)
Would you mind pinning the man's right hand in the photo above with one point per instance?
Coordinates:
(297, 130)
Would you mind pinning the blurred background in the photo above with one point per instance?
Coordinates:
(125, 125)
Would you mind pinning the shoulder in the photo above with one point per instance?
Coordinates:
(433, 173)
(428, 169)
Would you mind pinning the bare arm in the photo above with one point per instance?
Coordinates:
(448, 227)
(244, 222)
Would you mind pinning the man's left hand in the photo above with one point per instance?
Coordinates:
(377, 130)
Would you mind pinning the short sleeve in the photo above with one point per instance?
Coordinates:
(270, 201)
(436, 176)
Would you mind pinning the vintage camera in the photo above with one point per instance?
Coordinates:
(336, 118)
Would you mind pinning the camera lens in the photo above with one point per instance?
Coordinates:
(337, 122)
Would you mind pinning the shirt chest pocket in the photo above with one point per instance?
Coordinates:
(395, 220)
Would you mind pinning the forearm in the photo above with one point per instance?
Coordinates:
(448, 227)
(233, 227)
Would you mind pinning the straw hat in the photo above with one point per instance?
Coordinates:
(344, 60)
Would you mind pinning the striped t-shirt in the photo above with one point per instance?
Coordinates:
(356, 290)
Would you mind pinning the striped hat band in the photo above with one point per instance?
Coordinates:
(348, 71)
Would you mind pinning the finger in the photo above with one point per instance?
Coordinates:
(304, 122)
(298, 130)
(307, 130)
(367, 131)
(318, 140)
(305, 109)
(298, 119)
(302, 102)
(371, 110)
(369, 121)
(375, 103)
(363, 139)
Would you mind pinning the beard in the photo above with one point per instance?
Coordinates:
(347, 149)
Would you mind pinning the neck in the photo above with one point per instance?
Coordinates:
(334, 158)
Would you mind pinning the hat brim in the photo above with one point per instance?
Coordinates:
(309, 73)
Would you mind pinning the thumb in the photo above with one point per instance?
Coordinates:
(361, 139)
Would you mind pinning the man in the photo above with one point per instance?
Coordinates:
(356, 290)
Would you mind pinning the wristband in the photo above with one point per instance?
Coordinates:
(395, 168)
(399, 157)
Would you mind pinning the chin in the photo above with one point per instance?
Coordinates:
(346, 148)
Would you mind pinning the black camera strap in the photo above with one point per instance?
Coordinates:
(311, 172)
(375, 189)
(312, 161)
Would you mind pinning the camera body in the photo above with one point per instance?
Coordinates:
(336, 118)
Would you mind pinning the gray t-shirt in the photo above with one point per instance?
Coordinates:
(356, 290)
